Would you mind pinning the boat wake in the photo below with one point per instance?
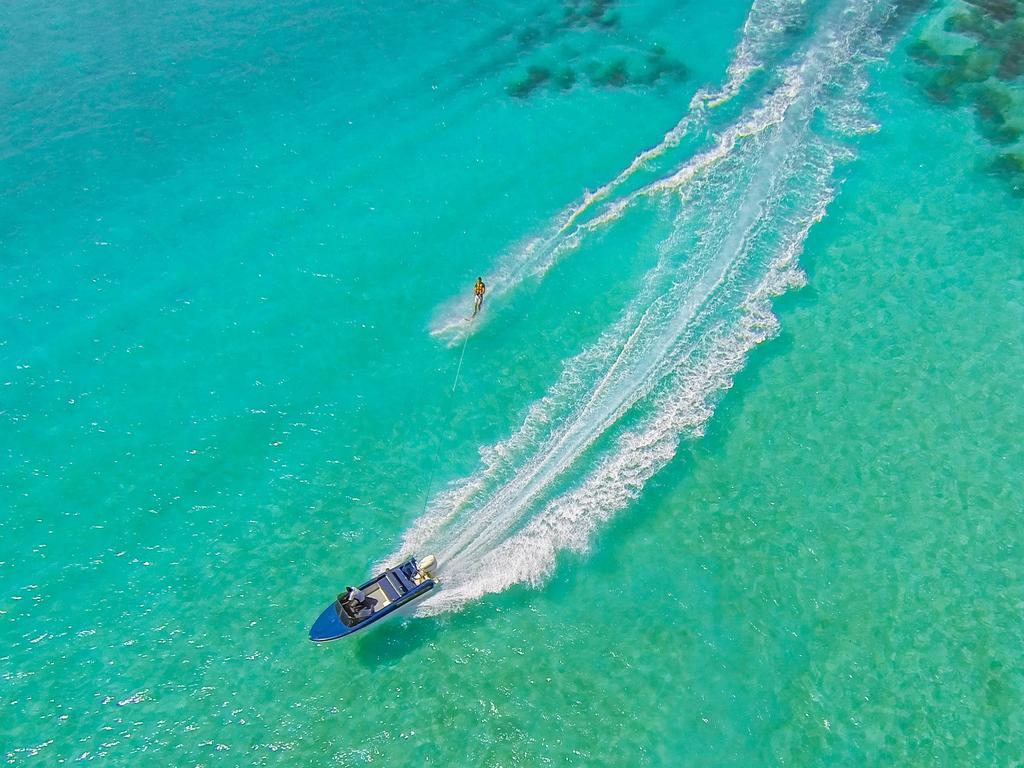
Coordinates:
(738, 197)
(764, 37)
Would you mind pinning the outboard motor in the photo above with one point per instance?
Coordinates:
(427, 564)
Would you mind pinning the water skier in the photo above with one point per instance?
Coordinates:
(478, 291)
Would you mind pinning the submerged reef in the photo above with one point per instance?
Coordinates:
(583, 43)
(590, 13)
(972, 55)
(535, 77)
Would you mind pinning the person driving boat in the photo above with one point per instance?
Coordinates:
(355, 602)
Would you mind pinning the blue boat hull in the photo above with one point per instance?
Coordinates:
(334, 623)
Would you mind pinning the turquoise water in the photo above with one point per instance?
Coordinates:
(731, 471)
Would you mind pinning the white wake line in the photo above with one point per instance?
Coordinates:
(602, 410)
(526, 482)
(614, 394)
(569, 521)
(768, 115)
(549, 463)
(626, 382)
(764, 117)
(539, 253)
(526, 485)
(745, 62)
(753, 47)
(451, 502)
(776, 111)
(743, 65)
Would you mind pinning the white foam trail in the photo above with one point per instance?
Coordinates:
(639, 366)
(769, 115)
(541, 254)
(682, 410)
(734, 243)
(762, 32)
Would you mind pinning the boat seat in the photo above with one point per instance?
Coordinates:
(389, 590)
(403, 580)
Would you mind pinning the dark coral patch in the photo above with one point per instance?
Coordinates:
(973, 25)
(615, 74)
(977, 67)
(796, 28)
(658, 65)
(994, 124)
(530, 36)
(1000, 10)
(621, 60)
(1010, 167)
(643, 71)
(1011, 66)
(590, 13)
(565, 78)
(1011, 163)
(535, 77)
(924, 52)
(985, 75)
(992, 103)
(943, 86)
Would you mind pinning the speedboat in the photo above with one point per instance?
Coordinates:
(359, 607)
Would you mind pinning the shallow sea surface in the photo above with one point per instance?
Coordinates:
(727, 473)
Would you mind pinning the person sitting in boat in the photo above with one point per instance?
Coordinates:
(355, 601)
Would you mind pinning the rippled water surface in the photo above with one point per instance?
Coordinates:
(727, 473)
